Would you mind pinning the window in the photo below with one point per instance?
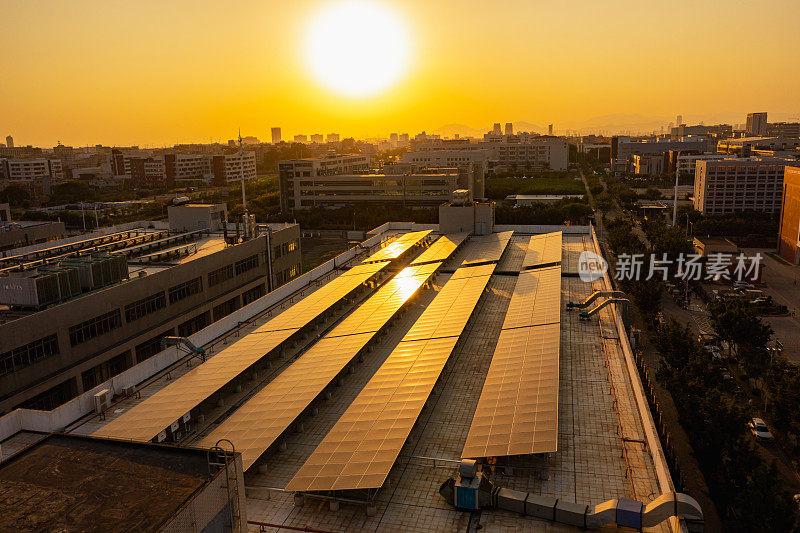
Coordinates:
(151, 347)
(28, 354)
(193, 325)
(215, 277)
(246, 264)
(95, 327)
(225, 308)
(185, 289)
(251, 295)
(104, 371)
(145, 306)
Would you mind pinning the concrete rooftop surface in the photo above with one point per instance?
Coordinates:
(602, 442)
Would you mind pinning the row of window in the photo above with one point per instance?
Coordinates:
(94, 327)
(145, 306)
(185, 289)
(28, 354)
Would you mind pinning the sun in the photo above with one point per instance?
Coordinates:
(357, 48)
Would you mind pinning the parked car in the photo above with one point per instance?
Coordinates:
(759, 429)
(743, 285)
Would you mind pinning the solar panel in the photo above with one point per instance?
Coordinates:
(361, 448)
(255, 426)
(373, 314)
(536, 299)
(398, 247)
(517, 412)
(309, 308)
(448, 313)
(488, 248)
(147, 419)
(542, 250)
(441, 249)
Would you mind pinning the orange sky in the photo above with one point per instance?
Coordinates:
(158, 73)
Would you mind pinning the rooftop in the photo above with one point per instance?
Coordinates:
(74, 483)
(604, 439)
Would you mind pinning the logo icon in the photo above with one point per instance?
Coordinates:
(591, 266)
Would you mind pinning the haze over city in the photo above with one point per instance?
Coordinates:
(151, 73)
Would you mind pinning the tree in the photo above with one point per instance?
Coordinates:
(71, 192)
(16, 196)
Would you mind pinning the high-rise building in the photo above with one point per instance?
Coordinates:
(756, 125)
(276, 135)
(9, 141)
(549, 129)
(746, 184)
(317, 138)
(509, 128)
(300, 138)
(679, 120)
(497, 130)
(333, 138)
(403, 137)
(393, 137)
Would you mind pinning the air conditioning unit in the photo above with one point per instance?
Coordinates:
(161, 437)
(186, 417)
(174, 426)
(130, 390)
(102, 401)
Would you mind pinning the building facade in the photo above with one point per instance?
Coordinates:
(290, 172)
(424, 187)
(744, 146)
(756, 125)
(276, 135)
(234, 167)
(50, 356)
(789, 232)
(28, 171)
(732, 185)
(783, 129)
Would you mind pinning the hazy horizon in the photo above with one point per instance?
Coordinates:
(159, 74)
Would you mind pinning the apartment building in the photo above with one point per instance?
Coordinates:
(28, 171)
(789, 232)
(745, 184)
(290, 171)
(148, 171)
(182, 168)
(228, 168)
(52, 354)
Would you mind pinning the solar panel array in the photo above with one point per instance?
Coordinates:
(517, 411)
(398, 247)
(536, 299)
(441, 249)
(488, 248)
(147, 419)
(255, 426)
(543, 250)
(361, 448)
